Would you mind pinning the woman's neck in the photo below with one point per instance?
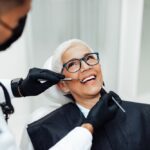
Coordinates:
(89, 101)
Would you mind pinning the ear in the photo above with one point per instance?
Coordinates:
(63, 86)
(103, 83)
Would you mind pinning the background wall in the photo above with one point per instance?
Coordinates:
(117, 29)
(144, 64)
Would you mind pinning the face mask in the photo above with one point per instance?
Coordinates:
(17, 32)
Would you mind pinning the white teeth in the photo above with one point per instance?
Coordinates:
(87, 79)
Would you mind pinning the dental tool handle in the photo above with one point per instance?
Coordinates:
(69, 79)
(123, 110)
(65, 79)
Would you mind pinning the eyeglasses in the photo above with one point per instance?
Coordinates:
(6, 25)
(74, 65)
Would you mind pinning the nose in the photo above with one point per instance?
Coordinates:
(84, 66)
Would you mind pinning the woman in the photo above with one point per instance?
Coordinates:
(83, 86)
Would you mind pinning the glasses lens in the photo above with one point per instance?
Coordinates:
(73, 65)
(91, 59)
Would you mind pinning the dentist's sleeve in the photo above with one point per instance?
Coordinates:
(77, 139)
(7, 141)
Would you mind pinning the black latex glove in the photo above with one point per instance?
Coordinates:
(31, 85)
(104, 110)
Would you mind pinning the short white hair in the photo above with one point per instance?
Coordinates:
(54, 63)
(57, 56)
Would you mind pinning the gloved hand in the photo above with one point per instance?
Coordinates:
(104, 110)
(32, 86)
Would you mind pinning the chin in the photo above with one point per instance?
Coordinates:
(93, 91)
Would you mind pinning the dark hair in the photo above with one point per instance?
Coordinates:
(6, 5)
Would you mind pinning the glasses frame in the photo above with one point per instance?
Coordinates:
(81, 59)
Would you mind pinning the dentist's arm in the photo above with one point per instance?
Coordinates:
(80, 138)
(7, 141)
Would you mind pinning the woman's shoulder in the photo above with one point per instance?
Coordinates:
(42, 111)
(136, 107)
(136, 104)
(49, 112)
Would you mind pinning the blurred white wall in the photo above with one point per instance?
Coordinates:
(129, 50)
(144, 65)
(134, 71)
(119, 30)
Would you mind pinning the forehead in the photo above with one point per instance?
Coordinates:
(75, 51)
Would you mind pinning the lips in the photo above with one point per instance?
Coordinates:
(89, 78)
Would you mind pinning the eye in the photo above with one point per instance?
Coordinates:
(72, 64)
(91, 56)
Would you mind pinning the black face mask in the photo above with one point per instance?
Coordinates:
(17, 32)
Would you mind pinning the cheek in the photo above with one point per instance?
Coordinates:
(71, 75)
(98, 70)
(100, 75)
(72, 85)
(99, 78)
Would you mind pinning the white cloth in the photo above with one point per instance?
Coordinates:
(84, 110)
(7, 84)
(77, 139)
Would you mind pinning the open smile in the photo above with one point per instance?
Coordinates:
(87, 79)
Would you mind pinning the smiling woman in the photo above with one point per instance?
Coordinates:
(88, 73)
(76, 60)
